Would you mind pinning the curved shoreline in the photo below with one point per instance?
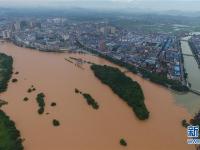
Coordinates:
(80, 124)
(10, 136)
(6, 73)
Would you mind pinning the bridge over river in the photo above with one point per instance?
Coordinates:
(197, 92)
(188, 55)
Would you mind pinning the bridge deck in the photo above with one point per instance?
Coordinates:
(188, 55)
(195, 91)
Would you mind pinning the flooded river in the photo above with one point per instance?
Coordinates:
(81, 127)
(190, 101)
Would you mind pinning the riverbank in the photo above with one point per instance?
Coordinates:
(10, 136)
(146, 74)
(6, 68)
(51, 74)
(59, 50)
(190, 100)
(194, 51)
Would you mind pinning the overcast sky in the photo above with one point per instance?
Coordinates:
(187, 5)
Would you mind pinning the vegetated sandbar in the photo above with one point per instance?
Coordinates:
(41, 103)
(90, 100)
(129, 90)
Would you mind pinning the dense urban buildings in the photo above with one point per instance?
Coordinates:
(155, 52)
(195, 46)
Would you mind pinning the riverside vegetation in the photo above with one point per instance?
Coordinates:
(6, 69)
(14, 80)
(160, 79)
(129, 90)
(10, 138)
(2, 102)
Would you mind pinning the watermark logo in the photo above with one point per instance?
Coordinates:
(193, 134)
(193, 131)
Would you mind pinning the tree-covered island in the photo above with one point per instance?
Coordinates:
(127, 89)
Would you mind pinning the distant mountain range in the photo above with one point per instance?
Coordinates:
(101, 10)
(177, 7)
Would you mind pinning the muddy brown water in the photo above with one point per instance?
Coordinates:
(83, 128)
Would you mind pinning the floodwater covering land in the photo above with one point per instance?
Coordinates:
(81, 127)
(190, 101)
